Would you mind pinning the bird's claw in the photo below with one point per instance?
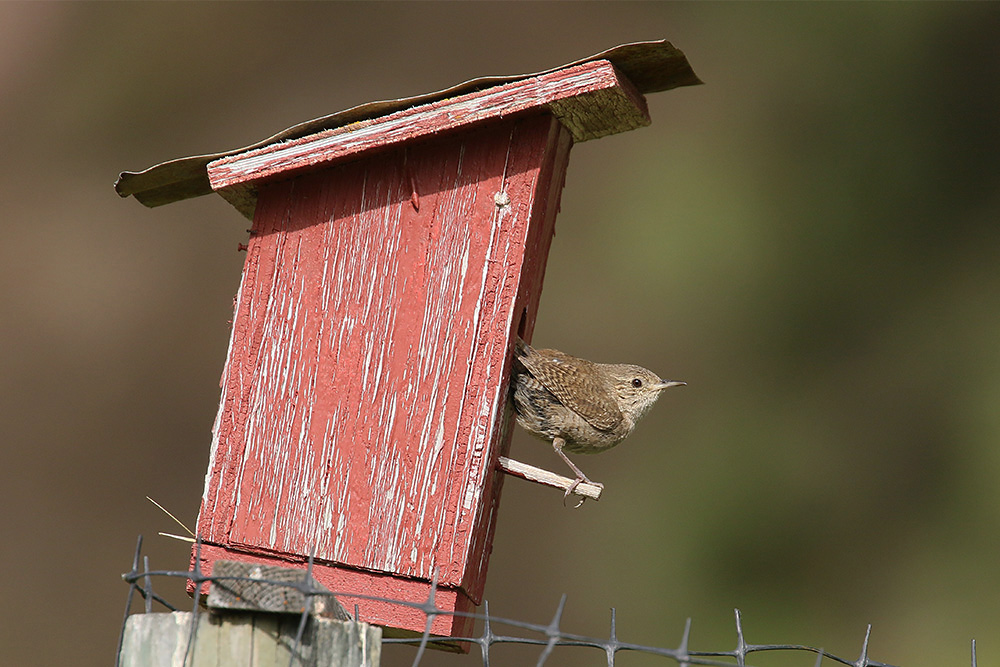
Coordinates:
(572, 490)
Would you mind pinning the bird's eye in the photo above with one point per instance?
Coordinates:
(636, 383)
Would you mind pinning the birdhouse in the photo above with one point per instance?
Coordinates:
(397, 249)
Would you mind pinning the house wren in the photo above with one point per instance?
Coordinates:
(580, 406)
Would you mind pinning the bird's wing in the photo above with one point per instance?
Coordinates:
(574, 382)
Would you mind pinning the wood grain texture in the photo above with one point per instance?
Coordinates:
(256, 587)
(363, 405)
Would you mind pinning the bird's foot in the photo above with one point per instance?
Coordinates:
(580, 479)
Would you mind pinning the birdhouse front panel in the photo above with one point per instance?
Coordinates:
(364, 394)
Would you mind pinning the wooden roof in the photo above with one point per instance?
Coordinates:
(652, 66)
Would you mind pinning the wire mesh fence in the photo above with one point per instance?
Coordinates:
(547, 638)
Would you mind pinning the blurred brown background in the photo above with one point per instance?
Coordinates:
(811, 240)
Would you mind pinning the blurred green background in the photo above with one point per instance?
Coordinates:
(810, 239)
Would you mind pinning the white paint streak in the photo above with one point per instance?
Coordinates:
(217, 425)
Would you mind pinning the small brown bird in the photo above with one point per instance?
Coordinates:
(580, 406)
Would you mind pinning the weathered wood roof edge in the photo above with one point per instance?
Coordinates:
(652, 66)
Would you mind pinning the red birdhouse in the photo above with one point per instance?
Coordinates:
(396, 251)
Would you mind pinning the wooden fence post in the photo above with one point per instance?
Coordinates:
(253, 620)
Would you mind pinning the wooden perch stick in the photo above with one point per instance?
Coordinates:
(541, 476)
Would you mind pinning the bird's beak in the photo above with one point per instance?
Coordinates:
(666, 384)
